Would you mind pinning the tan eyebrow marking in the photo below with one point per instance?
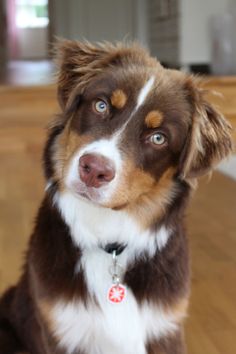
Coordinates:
(154, 119)
(118, 99)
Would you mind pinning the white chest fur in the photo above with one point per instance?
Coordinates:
(92, 226)
(102, 327)
(114, 329)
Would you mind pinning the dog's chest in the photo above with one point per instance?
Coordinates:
(102, 327)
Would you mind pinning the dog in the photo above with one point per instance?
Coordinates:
(107, 267)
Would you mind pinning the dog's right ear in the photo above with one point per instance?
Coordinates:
(76, 62)
(209, 139)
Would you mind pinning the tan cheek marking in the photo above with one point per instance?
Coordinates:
(67, 144)
(118, 99)
(141, 196)
(131, 183)
(150, 206)
(153, 119)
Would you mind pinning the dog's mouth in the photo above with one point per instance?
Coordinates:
(95, 195)
(86, 192)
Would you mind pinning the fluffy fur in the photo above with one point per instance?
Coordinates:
(120, 163)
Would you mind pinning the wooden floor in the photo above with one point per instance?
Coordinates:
(211, 326)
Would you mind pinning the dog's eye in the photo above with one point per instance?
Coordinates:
(158, 139)
(100, 106)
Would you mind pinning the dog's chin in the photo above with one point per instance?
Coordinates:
(94, 195)
(98, 196)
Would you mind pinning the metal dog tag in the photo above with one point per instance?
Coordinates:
(117, 292)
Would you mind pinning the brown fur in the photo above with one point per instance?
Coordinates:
(174, 345)
(209, 141)
(65, 147)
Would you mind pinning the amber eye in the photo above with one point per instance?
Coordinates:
(101, 106)
(158, 139)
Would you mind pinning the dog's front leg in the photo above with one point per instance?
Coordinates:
(173, 344)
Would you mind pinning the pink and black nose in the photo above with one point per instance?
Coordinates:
(96, 170)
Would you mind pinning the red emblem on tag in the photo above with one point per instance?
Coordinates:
(116, 294)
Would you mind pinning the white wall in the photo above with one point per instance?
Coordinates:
(59, 15)
(110, 20)
(232, 9)
(194, 28)
(107, 20)
(94, 20)
(140, 18)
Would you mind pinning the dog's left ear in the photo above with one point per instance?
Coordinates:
(209, 139)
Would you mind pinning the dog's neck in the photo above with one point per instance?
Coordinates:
(95, 228)
(116, 247)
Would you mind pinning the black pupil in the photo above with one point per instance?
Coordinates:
(101, 105)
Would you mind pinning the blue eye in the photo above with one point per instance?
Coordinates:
(158, 139)
(100, 106)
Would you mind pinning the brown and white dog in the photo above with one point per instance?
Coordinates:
(107, 268)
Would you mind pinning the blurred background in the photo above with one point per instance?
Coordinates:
(194, 35)
(197, 36)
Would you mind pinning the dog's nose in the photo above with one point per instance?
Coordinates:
(96, 170)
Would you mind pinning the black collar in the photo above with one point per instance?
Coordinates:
(115, 246)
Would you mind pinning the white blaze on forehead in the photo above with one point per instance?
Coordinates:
(105, 147)
(140, 100)
(145, 91)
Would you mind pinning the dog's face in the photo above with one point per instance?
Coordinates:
(130, 128)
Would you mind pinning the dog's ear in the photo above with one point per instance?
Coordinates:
(209, 139)
(76, 62)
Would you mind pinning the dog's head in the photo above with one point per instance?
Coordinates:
(129, 128)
